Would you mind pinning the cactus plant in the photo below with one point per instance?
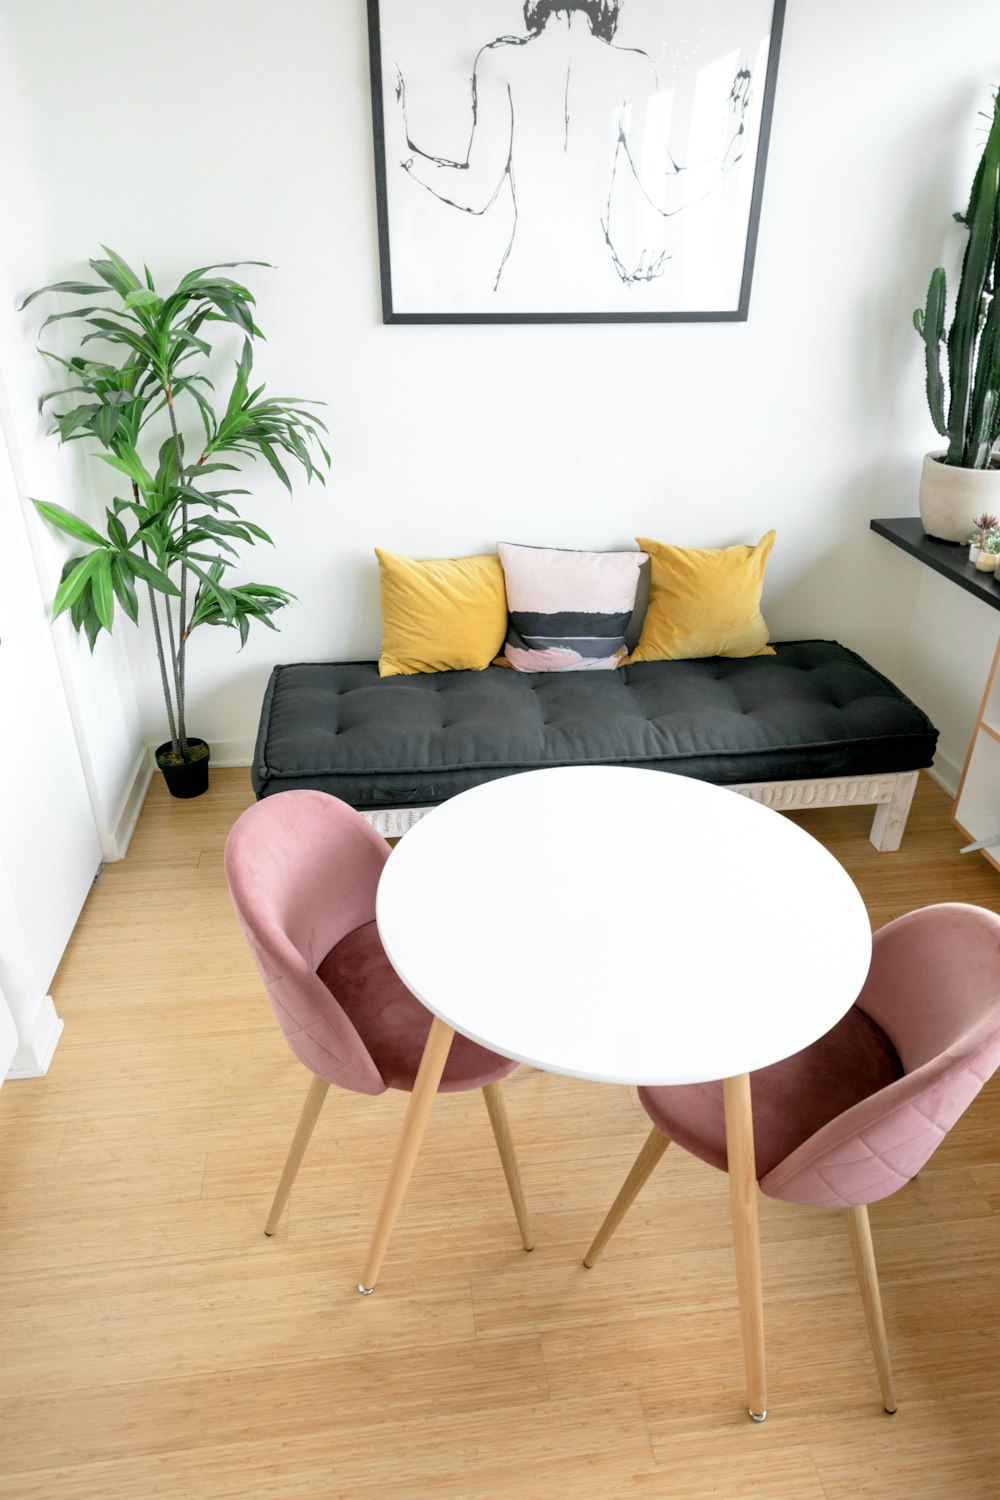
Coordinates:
(971, 422)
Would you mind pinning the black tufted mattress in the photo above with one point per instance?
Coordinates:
(815, 709)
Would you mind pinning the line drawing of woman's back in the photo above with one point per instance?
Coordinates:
(567, 125)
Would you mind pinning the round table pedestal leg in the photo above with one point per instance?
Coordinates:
(746, 1236)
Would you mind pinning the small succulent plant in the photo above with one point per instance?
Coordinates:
(986, 525)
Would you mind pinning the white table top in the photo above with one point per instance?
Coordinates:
(623, 925)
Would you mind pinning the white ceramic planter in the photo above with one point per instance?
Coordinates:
(952, 498)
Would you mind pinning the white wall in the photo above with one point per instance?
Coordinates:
(49, 843)
(8, 1037)
(210, 129)
(98, 692)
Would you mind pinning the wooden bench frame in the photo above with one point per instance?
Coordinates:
(891, 791)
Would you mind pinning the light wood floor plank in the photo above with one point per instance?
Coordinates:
(486, 1454)
(272, 1401)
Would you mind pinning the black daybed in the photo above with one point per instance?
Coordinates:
(812, 725)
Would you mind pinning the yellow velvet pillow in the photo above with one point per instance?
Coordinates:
(440, 614)
(704, 602)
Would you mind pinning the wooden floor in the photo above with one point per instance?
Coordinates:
(154, 1343)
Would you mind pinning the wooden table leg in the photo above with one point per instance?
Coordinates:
(746, 1236)
(425, 1089)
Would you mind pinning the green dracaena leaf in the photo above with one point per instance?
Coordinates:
(75, 580)
(125, 589)
(91, 623)
(103, 590)
(76, 288)
(145, 299)
(125, 272)
(116, 531)
(197, 535)
(83, 615)
(275, 463)
(222, 596)
(105, 422)
(258, 532)
(188, 281)
(167, 469)
(77, 312)
(67, 422)
(142, 568)
(66, 521)
(131, 465)
(123, 336)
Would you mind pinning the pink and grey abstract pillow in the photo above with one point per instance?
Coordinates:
(568, 611)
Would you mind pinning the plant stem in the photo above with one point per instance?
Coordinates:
(164, 680)
(181, 735)
(182, 633)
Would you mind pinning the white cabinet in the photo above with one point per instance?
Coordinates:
(977, 806)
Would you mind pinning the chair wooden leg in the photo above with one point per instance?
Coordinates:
(864, 1263)
(746, 1236)
(653, 1148)
(300, 1140)
(407, 1148)
(497, 1111)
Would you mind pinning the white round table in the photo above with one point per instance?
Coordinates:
(627, 926)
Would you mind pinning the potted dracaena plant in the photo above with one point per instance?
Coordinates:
(964, 479)
(170, 533)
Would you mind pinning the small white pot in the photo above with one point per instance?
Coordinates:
(952, 498)
(973, 553)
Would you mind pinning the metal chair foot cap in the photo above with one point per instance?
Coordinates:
(756, 1416)
(365, 1291)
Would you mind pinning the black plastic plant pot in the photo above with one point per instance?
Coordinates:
(184, 778)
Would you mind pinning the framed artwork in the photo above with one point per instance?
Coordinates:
(570, 160)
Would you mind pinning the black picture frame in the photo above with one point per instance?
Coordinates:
(439, 246)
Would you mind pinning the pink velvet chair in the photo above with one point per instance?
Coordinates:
(856, 1115)
(302, 869)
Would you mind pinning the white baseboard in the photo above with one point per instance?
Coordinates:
(32, 1058)
(946, 775)
(231, 753)
(124, 828)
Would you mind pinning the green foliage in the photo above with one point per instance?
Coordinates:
(173, 530)
(972, 420)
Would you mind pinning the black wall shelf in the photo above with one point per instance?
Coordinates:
(950, 559)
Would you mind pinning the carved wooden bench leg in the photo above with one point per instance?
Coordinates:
(890, 817)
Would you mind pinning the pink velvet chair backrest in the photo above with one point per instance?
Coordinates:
(302, 869)
(934, 989)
